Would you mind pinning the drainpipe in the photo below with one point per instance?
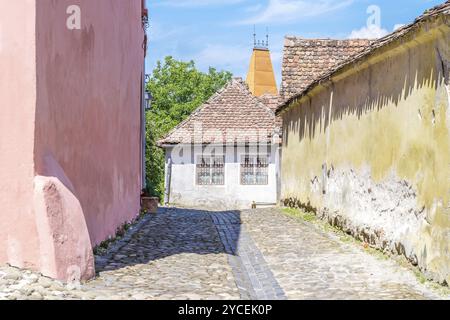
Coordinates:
(143, 98)
(143, 135)
(276, 147)
(168, 180)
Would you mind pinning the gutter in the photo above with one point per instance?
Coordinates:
(169, 145)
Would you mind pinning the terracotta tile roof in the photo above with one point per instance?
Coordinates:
(270, 100)
(232, 115)
(443, 9)
(306, 59)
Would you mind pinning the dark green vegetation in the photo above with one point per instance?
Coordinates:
(178, 88)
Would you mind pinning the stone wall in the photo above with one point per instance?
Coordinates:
(370, 149)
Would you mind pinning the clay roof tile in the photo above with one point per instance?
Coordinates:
(232, 115)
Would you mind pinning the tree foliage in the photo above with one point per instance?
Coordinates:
(178, 88)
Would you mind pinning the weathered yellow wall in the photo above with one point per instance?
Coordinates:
(383, 125)
(260, 77)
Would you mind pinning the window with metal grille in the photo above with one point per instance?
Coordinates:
(254, 170)
(210, 170)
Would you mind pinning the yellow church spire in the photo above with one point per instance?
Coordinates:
(260, 77)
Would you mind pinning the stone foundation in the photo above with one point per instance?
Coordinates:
(387, 215)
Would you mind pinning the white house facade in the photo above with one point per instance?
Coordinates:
(226, 155)
(233, 179)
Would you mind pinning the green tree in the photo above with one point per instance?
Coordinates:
(178, 88)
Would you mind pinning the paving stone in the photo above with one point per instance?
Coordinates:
(248, 264)
(13, 274)
(45, 282)
(200, 255)
(311, 264)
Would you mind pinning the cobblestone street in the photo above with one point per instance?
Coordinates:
(255, 254)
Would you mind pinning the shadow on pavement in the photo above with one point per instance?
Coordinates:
(176, 231)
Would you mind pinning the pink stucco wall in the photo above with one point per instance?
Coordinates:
(71, 130)
(17, 112)
(88, 105)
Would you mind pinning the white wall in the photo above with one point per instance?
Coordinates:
(232, 195)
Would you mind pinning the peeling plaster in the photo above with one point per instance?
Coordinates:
(385, 148)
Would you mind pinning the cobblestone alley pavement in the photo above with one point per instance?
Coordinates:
(255, 254)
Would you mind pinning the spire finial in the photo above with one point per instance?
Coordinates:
(260, 44)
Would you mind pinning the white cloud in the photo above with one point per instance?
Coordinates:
(372, 32)
(369, 32)
(282, 11)
(196, 3)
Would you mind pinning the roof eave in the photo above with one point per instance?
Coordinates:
(361, 57)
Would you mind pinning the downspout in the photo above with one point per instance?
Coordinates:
(168, 180)
(143, 134)
(143, 118)
(277, 150)
(279, 159)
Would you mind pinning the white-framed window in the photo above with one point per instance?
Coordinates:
(254, 170)
(210, 170)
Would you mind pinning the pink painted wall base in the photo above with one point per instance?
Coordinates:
(70, 131)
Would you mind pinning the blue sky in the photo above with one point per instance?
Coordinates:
(218, 33)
